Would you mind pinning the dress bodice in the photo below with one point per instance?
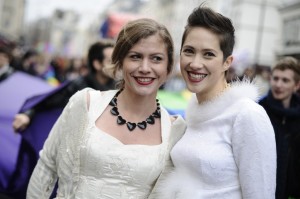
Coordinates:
(111, 169)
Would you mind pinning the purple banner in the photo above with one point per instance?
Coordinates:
(14, 91)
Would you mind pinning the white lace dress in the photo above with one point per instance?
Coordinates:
(90, 163)
(110, 169)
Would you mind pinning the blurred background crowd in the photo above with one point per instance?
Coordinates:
(50, 39)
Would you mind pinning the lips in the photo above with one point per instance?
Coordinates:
(196, 77)
(144, 80)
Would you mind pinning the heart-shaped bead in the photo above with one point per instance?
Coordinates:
(131, 126)
(113, 102)
(150, 120)
(156, 113)
(142, 125)
(114, 111)
(120, 120)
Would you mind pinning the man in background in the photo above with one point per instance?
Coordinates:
(99, 57)
(282, 104)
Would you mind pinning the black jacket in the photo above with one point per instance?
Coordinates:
(7, 73)
(286, 123)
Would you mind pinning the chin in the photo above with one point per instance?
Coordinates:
(146, 91)
(278, 97)
(193, 89)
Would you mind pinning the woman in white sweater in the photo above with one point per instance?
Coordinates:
(228, 150)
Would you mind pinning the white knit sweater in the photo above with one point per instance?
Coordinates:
(228, 150)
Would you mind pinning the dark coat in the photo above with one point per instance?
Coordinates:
(7, 73)
(286, 123)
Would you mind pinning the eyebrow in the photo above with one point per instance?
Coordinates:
(155, 53)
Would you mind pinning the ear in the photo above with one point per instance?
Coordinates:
(228, 62)
(297, 87)
(97, 65)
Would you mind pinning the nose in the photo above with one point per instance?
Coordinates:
(144, 66)
(277, 83)
(196, 62)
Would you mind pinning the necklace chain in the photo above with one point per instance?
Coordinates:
(132, 125)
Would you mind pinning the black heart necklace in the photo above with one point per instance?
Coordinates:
(131, 125)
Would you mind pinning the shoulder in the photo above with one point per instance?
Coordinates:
(248, 107)
(79, 100)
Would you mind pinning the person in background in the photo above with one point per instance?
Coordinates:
(15, 88)
(114, 144)
(283, 107)
(262, 78)
(228, 150)
(99, 57)
(5, 69)
(75, 68)
(28, 62)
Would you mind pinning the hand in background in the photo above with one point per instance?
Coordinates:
(20, 122)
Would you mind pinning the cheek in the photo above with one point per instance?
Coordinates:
(183, 63)
(164, 73)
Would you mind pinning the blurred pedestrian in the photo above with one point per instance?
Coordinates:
(15, 88)
(28, 62)
(283, 107)
(228, 150)
(99, 57)
(5, 69)
(262, 79)
(114, 144)
(74, 69)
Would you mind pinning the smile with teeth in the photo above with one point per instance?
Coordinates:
(196, 76)
(144, 80)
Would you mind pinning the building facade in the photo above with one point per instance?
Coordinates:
(12, 18)
(290, 32)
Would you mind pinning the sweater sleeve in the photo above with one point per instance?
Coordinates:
(254, 150)
(177, 130)
(44, 176)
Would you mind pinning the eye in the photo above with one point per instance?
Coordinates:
(188, 51)
(285, 80)
(134, 56)
(275, 78)
(157, 58)
(209, 54)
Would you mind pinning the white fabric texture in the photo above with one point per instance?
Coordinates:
(228, 150)
(90, 163)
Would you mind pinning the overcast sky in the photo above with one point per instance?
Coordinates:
(42, 8)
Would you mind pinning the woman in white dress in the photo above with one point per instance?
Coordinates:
(228, 150)
(114, 144)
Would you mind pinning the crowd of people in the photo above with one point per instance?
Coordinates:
(102, 132)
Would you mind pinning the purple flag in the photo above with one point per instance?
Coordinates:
(13, 93)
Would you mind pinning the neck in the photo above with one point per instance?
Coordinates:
(141, 105)
(208, 96)
(127, 117)
(286, 103)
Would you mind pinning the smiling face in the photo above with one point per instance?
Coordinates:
(202, 65)
(283, 85)
(145, 66)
